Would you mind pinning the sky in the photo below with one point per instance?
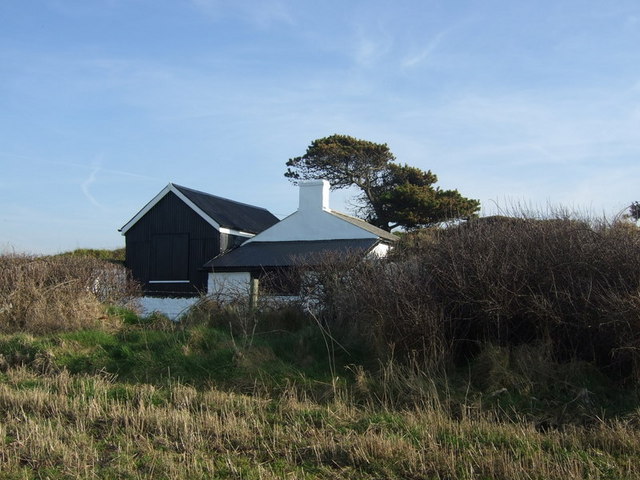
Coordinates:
(104, 102)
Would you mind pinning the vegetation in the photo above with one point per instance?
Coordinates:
(503, 348)
(634, 211)
(567, 287)
(114, 256)
(65, 292)
(64, 426)
(156, 400)
(393, 195)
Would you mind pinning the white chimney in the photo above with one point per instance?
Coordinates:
(314, 195)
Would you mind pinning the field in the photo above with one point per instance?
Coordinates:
(451, 378)
(97, 405)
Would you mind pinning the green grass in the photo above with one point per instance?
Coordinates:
(153, 399)
(116, 255)
(155, 351)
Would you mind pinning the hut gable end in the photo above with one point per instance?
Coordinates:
(170, 238)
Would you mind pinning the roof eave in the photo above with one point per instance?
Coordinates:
(171, 188)
(152, 203)
(308, 262)
(372, 229)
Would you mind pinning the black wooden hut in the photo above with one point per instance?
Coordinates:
(171, 238)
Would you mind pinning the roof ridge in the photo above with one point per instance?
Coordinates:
(218, 197)
(318, 240)
(372, 228)
(350, 216)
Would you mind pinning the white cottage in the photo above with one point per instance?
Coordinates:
(302, 237)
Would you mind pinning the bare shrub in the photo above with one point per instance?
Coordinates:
(241, 319)
(378, 303)
(569, 284)
(47, 294)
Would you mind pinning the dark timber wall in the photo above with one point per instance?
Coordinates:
(168, 246)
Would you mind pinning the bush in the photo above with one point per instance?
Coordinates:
(561, 282)
(567, 284)
(244, 321)
(377, 305)
(116, 256)
(47, 294)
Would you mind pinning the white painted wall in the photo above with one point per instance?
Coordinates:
(313, 195)
(312, 221)
(229, 285)
(380, 251)
(171, 307)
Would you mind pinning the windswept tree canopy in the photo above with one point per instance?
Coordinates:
(393, 195)
(634, 211)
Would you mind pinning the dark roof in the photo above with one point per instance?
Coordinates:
(284, 254)
(229, 213)
(366, 226)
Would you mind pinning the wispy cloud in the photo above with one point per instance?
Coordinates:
(90, 180)
(99, 169)
(24, 159)
(371, 44)
(273, 12)
(419, 56)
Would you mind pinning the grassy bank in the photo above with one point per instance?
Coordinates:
(497, 350)
(152, 400)
(77, 426)
(94, 427)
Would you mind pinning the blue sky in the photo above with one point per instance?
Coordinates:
(104, 102)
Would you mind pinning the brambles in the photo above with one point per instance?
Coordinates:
(569, 285)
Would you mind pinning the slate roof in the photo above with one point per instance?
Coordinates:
(365, 226)
(219, 212)
(285, 254)
(229, 213)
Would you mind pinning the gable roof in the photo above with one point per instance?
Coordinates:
(365, 226)
(227, 216)
(229, 213)
(286, 253)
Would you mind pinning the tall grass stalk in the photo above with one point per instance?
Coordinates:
(64, 426)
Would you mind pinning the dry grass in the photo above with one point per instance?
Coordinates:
(521, 293)
(50, 294)
(93, 427)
